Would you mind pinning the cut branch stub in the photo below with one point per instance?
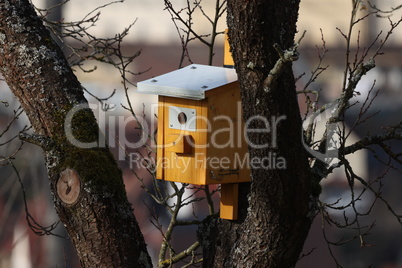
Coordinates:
(68, 186)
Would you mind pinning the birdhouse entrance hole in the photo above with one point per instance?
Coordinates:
(182, 118)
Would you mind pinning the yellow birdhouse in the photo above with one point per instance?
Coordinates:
(200, 126)
(201, 136)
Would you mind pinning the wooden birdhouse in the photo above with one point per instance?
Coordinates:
(201, 137)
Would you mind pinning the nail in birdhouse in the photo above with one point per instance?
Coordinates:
(200, 128)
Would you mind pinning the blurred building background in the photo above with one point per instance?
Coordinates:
(155, 35)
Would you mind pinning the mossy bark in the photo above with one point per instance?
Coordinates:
(99, 220)
(274, 216)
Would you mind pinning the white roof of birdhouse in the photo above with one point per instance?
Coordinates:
(191, 82)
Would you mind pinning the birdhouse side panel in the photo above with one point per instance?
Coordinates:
(160, 153)
(227, 150)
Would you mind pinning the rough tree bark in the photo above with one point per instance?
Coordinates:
(274, 216)
(86, 184)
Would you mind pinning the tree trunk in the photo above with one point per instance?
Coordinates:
(274, 214)
(86, 184)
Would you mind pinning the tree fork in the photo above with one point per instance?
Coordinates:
(276, 214)
(86, 184)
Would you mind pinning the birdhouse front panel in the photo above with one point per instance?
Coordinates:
(201, 137)
(176, 150)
